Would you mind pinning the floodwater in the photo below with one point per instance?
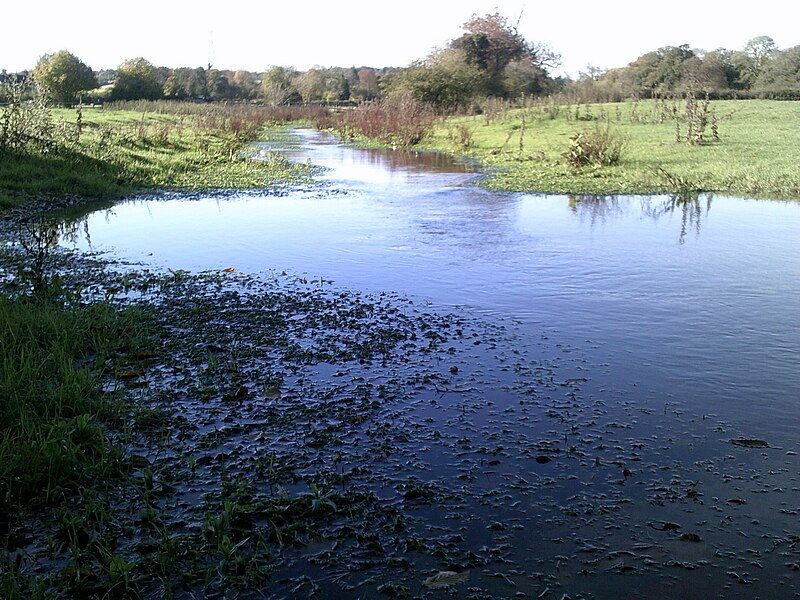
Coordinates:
(675, 325)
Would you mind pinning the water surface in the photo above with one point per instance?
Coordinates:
(702, 297)
(676, 322)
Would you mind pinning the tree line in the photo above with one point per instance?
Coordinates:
(65, 79)
(759, 70)
(491, 59)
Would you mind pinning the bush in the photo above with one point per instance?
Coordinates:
(27, 125)
(600, 146)
(399, 121)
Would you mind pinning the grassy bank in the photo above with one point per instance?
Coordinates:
(117, 150)
(73, 427)
(755, 151)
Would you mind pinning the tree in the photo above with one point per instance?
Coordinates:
(136, 80)
(278, 85)
(312, 85)
(244, 83)
(780, 76)
(445, 80)
(705, 74)
(62, 75)
(491, 43)
(179, 83)
(661, 71)
(367, 87)
(524, 78)
(760, 49)
(219, 85)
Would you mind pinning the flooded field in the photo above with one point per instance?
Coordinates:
(425, 389)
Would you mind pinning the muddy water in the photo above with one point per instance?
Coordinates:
(637, 426)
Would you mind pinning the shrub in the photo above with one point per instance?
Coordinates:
(397, 121)
(600, 146)
(27, 126)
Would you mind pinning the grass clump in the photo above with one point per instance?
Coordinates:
(600, 147)
(53, 415)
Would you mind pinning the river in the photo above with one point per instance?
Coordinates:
(680, 316)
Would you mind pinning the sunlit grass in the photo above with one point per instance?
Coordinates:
(119, 152)
(756, 153)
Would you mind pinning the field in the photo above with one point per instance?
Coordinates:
(755, 151)
(114, 151)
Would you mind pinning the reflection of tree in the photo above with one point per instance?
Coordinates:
(426, 162)
(693, 210)
(599, 209)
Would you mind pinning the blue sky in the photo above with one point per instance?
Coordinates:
(302, 33)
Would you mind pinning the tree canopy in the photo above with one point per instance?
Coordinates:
(62, 75)
(491, 58)
(136, 80)
(760, 69)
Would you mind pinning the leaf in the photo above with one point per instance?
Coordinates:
(240, 393)
(445, 579)
(272, 393)
(750, 443)
(128, 375)
(228, 270)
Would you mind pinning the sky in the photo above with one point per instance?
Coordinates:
(256, 34)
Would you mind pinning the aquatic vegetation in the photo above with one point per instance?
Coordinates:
(285, 435)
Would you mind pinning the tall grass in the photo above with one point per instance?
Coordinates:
(52, 361)
(398, 121)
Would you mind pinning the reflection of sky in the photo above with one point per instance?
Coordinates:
(695, 312)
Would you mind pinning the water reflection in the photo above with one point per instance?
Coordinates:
(693, 209)
(423, 162)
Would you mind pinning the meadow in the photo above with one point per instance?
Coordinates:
(122, 148)
(748, 148)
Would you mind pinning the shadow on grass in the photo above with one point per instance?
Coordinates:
(63, 173)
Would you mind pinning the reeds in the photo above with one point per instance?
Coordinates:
(399, 122)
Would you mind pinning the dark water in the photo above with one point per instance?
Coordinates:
(681, 319)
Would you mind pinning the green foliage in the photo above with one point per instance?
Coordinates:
(600, 146)
(27, 125)
(62, 75)
(136, 80)
(780, 77)
(760, 70)
(490, 60)
(445, 81)
(490, 44)
(50, 418)
(278, 85)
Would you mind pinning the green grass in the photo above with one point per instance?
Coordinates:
(756, 155)
(52, 414)
(119, 152)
